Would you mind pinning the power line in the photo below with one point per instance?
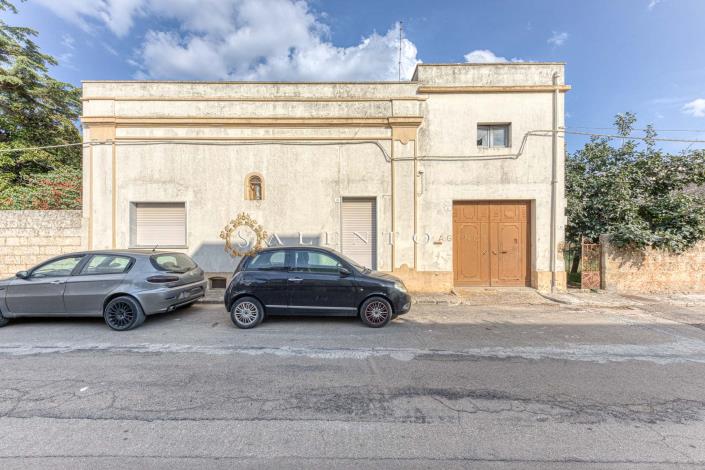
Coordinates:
(613, 136)
(539, 133)
(401, 31)
(644, 130)
(27, 149)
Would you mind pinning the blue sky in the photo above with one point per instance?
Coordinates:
(644, 56)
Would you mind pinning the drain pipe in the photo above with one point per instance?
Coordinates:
(554, 181)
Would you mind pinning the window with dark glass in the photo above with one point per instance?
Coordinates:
(107, 264)
(172, 262)
(316, 262)
(493, 135)
(58, 268)
(269, 261)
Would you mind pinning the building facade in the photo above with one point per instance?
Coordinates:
(454, 178)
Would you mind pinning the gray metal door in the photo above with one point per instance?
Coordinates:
(36, 296)
(85, 294)
(100, 276)
(359, 230)
(43, 292)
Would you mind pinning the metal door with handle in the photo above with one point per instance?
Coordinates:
(42, 292)
(318, 287)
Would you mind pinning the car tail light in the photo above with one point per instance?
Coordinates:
(162, 279)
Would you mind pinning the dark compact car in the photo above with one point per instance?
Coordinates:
(311, 281)
(122, 286)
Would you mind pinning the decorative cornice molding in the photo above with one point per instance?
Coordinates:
(292, 138)
(493, 89)
(184, 121)
(295, 99)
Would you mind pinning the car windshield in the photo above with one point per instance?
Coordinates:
(172, 262)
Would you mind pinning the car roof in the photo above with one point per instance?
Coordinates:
(297, 247)
(130, 252)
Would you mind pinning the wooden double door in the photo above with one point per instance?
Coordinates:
(491, 244)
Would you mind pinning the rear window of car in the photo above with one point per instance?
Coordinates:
(172, 262)
(268, 261)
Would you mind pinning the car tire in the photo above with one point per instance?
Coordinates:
(123, 313)
(376, 312)
(246, 313)
(3, 321)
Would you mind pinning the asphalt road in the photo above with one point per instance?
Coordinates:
(444, 387)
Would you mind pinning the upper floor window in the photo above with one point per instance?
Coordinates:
(255, 188)
(493, 135)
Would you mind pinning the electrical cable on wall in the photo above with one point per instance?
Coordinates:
(537, 133)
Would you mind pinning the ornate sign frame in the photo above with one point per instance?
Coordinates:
(243, 220)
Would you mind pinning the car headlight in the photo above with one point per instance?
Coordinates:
(400, 286)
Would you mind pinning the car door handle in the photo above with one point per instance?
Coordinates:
(295, 279)
(56, 282)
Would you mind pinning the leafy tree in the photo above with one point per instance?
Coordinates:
(35, 110)
(638, 194)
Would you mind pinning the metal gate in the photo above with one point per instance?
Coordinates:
(590, 259)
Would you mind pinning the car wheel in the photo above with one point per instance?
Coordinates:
(246, 312)
(3, 321)
(376, 312)
(123, 313)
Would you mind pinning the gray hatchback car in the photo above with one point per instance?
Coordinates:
(122, 286)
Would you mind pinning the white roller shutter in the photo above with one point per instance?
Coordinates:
(159, 224)
(359, 230)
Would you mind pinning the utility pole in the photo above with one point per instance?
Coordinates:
(401, 26)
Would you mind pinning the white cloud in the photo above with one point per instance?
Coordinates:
(558, 39)
(118, 15)
(653, 3)
(111, 50)
(486, 56)
(695, 108)
(68, 41)
(242, 40)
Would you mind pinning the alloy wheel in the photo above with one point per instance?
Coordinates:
(376, 312)
(246, 313)
(120, 315)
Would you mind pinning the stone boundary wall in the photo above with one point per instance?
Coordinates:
(29, 237)
(652, 271)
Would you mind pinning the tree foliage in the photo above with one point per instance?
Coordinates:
(635, 193)
(35, 110)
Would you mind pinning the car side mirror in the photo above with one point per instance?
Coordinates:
(344, 272)
(22, 274)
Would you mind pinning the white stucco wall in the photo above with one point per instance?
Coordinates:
(315, 144)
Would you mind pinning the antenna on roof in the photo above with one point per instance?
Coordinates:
(401, 29)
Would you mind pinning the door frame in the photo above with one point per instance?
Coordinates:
(529, 248)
